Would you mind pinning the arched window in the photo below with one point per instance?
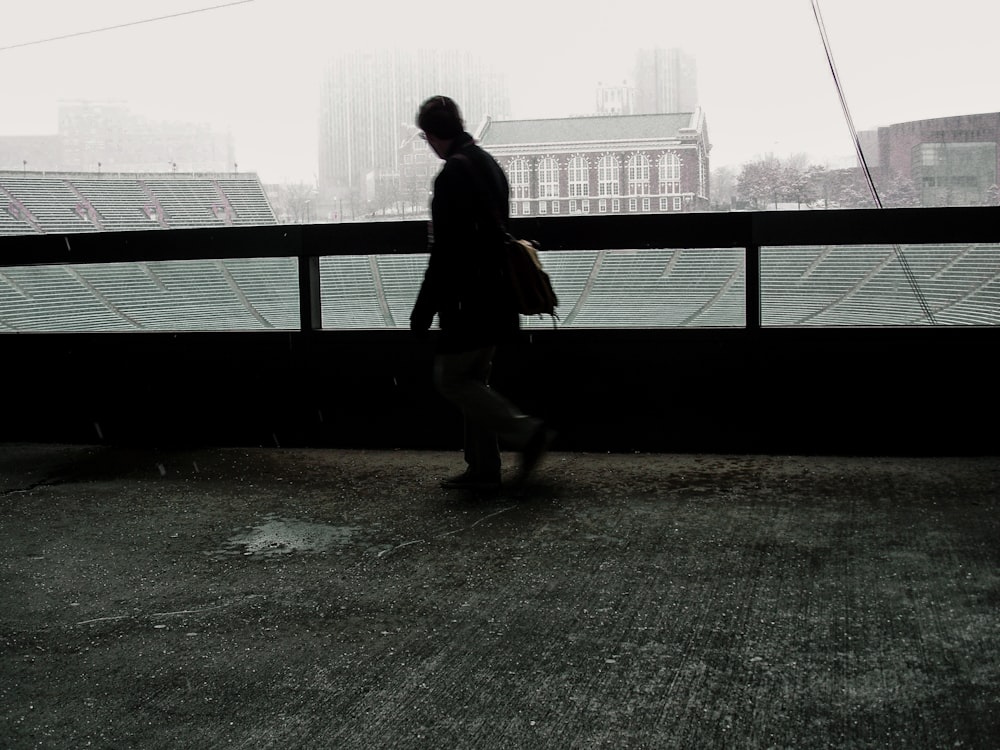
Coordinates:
(638, 175)
(520, 184)
(579, 177)
(670, 174)
(607, 176)
(548, 178)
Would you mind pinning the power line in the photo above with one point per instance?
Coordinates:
(911, 279)
(123, 25)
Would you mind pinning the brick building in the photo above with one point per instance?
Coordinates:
(654, 163)
(953, 161)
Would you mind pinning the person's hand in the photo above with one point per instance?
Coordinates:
(420, 325)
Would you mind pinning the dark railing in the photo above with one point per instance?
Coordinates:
(749, 230)
(925, 389)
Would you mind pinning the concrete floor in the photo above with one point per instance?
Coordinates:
(265, 598)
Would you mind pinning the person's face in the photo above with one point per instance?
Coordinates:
(437, 145)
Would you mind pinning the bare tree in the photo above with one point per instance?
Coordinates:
(296, 203)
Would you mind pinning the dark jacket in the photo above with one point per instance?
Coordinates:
(463, 283)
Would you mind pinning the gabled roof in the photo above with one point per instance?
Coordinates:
(585, 129)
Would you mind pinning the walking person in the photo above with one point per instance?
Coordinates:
(463, 286)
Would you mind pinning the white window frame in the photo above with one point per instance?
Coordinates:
(638, 175)
(670, 173)
(608, 176)
(519, 177)
(548, 177)
(579, 177)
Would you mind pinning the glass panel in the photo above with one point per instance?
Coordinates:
(370, 291)
(202, 295)
(596, 289)
(880, 285)
(691, 288)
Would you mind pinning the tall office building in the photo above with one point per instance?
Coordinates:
(666, 81)
(369, 100)
(615, 100)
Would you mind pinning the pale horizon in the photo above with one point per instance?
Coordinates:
(764, 83)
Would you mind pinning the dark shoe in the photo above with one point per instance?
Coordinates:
(471, 480)
(535, 450)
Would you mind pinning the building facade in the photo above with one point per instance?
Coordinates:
(618, 164)
(109, 137)
(665, 81)
(369, 100)
(952, 161)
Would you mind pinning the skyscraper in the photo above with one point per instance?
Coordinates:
(666, 81)
(369, 100)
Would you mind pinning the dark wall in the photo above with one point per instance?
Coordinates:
(928, 391)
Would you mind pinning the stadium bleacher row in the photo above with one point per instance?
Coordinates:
(34, 204)
(649, 288)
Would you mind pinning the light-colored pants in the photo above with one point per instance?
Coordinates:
(463, 378)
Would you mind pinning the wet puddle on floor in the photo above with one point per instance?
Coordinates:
(281, 536)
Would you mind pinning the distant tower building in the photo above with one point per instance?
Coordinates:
(666, 81)
(369, 100)
(615, 100)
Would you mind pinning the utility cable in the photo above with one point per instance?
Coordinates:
(123, 25)
(907, 272)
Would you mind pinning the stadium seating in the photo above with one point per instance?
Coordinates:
(87, 202)
(52, 203)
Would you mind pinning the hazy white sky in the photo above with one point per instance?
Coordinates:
(253, 67)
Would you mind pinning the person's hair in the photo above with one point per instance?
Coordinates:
(440, 117)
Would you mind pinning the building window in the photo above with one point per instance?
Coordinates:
(548, 178)
(677, 204)
(638, 175)
(579, 177)
(585, 205)
(616, 205)
(542, 206)
(555, 207)
(602, 206)
(633, 205)
(645, 205)
(520, 182)
(664, 203)
(573, 208)
(525, 208)
(670, 174)
(513, 209)
(607, 176)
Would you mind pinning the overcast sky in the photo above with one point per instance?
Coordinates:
(253, 67)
